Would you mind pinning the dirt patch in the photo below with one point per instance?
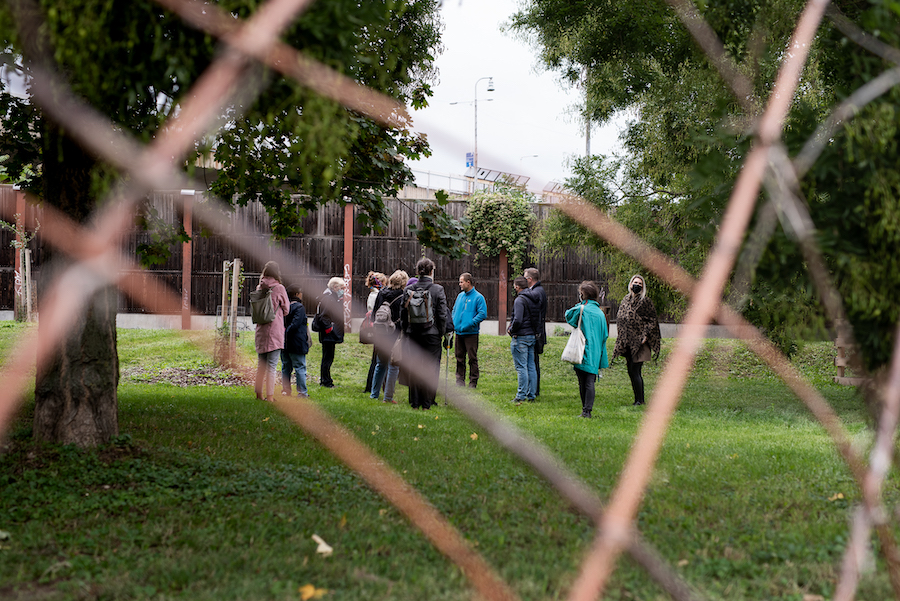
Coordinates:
(205, 376)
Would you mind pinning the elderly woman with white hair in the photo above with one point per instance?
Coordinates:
(638, 333)
(330, 325)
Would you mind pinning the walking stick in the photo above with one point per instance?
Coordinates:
(447, 375)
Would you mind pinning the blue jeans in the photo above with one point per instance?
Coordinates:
(265, 373)
(381, 371)
(292, 362)
(522, 349)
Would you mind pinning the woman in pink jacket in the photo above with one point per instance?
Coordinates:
(270, 336)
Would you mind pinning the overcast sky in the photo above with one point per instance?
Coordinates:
(532, 112)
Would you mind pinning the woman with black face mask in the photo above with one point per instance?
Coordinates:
(638, 333)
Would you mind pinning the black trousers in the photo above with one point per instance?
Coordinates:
(637, 380)
(467, 347)
(586, 388)
(425, 370)
(371, 371)
(327, 360)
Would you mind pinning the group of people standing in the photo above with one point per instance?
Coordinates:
(286, 336)
(418, 324)
(638, 337)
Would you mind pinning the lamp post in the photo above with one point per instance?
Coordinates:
(490, 88)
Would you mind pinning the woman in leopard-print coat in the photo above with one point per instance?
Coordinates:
(638, 334)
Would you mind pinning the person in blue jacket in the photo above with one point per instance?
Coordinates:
(469, 311)
(296, 344)
(593, 324)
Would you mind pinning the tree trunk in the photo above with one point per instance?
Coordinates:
(75, 397)
(76, 400)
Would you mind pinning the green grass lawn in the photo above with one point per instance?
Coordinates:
(211, 494)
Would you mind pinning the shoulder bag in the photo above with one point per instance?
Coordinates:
(574, 351)
(261, 309)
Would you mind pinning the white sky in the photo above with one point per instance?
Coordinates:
(531, 113)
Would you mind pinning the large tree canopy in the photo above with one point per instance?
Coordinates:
(133, 61)
(687, 134)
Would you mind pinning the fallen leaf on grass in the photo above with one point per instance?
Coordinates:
(474, 436)
(324, 548)
(839, 495)
(308, 591)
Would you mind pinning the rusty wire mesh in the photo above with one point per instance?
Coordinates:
(97, 262)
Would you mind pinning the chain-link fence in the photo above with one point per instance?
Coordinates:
(97, 262)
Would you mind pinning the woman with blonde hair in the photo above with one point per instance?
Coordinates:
(639, 334)
(270, 336)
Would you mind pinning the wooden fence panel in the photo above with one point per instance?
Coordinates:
(319, 255)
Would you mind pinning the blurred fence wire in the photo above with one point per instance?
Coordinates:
(97, 262)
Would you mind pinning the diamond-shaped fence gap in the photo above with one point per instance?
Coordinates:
(616, 531)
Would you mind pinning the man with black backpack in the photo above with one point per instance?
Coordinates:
(425, 320)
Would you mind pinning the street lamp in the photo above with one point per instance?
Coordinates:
(490, 88)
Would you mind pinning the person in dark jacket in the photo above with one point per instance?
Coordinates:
(424, 359)
(386, 336)
(331, 331)
(523, 329)
(534, 282)
(296, 344)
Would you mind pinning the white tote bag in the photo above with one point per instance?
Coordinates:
(574, 351)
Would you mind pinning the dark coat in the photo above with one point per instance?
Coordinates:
(296, 335)
(332, 310)
(389, 295)
(443, 323)
(526, 314)
(542, 306)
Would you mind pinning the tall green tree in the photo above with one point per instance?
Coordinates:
(132, 61)
(687, 134)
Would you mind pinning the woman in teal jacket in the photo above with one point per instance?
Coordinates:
(593, 324)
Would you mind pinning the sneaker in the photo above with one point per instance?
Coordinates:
(517, 402)
(327, 385)
(391, 401)
(585, 414)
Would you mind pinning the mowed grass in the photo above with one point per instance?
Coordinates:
(210, 494)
